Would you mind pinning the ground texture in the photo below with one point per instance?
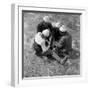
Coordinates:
(34, 66)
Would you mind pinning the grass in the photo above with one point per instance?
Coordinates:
(37, 67)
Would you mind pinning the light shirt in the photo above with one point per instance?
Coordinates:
(41, 41)
(38, 39)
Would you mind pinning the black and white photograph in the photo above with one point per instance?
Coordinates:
(50, 43)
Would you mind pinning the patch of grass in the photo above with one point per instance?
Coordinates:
(35, 66)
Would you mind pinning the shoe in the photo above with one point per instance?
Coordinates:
(63, 61)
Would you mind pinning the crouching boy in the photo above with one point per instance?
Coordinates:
(42, 43)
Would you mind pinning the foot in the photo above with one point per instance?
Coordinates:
(64, 60)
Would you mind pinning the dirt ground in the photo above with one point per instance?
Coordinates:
(34, 66)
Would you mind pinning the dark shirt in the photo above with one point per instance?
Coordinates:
(65, 42)
(55, 33)
(55, 36)
(44, 25)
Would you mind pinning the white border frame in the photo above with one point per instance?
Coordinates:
(16, 52)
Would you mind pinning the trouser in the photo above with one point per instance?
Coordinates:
(39, 52)
(37, 48)
(62, 52)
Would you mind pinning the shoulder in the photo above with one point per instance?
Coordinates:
(38, 35)
(42, 22)
(47, 23)
(68, 35)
